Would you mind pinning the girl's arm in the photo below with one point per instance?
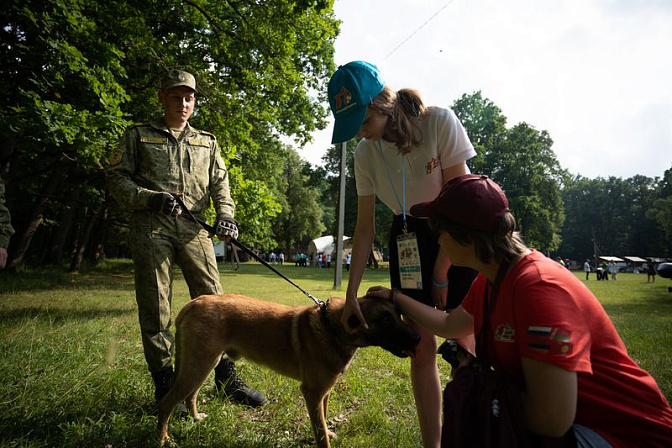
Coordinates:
(361, 247)
(549, 401)
(442, 262)
(457, 324)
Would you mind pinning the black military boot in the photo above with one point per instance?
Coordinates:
(162, 380)
(234, 388)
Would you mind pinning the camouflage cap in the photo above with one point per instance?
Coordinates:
(177, 78)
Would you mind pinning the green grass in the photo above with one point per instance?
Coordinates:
(72, 373)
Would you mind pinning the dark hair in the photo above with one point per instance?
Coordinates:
(405, 108)
(505, 244)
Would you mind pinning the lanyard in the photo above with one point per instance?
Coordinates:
(402, 203)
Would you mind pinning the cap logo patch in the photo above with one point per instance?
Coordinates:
(342, 99)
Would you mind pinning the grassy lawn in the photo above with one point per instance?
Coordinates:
(72, 373)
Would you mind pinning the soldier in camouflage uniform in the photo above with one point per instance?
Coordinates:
(155, 162)
(6, 229)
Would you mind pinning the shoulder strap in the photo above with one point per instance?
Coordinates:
(483, 337)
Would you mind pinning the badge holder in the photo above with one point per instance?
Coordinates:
(410, 270)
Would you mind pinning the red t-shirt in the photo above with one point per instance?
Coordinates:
(544, 312)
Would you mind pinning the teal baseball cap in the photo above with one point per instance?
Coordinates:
(351, 89)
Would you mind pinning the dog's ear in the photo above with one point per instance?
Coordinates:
(353, 321)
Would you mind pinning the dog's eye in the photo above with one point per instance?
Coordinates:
(387, 318)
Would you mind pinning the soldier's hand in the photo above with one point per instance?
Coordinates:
(164, 203)
(226, 226)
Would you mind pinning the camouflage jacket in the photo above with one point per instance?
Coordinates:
(150, 159)
(6, 229)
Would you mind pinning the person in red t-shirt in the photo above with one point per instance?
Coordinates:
(547, 330)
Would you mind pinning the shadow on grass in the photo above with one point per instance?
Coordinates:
(124, 420)
(59, 315)
(119, 277)
(658, 301)
(129, 422)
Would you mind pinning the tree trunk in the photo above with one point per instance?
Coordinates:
(96, 250)
(21, 241)
(76, 263)
(54, 254)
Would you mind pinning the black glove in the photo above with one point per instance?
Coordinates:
(226, 226)
(164, 203)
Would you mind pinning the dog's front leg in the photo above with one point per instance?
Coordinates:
(193, 409)
(316, 411)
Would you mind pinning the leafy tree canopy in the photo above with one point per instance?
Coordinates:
(76, 73)
(522, 161)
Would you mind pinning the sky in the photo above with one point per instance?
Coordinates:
(595, 74)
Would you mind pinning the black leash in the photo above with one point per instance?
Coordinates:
(234, 242)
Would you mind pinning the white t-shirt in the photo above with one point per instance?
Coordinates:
(379, 166)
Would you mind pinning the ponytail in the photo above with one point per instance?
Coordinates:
(405, 108)
(408, 109)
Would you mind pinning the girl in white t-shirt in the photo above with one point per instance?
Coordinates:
(407, 152)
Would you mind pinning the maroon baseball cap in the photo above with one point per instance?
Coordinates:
(472, 200)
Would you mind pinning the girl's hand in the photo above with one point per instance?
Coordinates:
(440, 297)
(352, 318)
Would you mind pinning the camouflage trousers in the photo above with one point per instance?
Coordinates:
(158, 242)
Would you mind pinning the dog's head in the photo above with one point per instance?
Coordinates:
(386, 328)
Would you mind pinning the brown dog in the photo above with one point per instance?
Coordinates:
(305, 343)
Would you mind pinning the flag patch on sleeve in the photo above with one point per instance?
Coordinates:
(554, 340)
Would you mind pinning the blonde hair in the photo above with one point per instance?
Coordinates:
(405, 108)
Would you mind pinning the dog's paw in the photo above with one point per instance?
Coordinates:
(331, 434)
(168, 443)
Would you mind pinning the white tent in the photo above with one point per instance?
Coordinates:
(323, 244)
(347, 248)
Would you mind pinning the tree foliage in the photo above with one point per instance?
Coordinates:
(609, 217)
(77, 72)
(661, 212)
(301, 218)
(522, 161)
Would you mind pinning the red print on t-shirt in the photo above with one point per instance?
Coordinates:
(432, 164)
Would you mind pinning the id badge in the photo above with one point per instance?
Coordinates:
(410, 271)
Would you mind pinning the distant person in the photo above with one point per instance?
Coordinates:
(561, 261)
(407, 152)
(586, 268)
(281, 258)
(613, 270)
(6, 229)
(545, 330)
(605, 270)
(155, 163)
(650, 272)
